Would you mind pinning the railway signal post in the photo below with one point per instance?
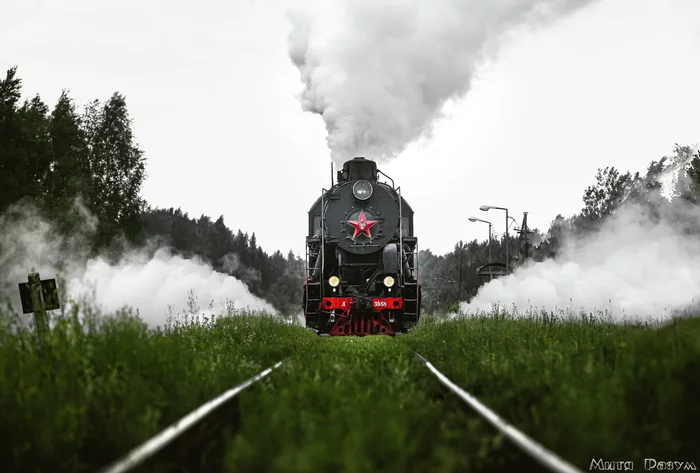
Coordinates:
(39, 296)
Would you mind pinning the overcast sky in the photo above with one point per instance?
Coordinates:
(212, 94)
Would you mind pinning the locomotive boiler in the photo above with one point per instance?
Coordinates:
(361, 257)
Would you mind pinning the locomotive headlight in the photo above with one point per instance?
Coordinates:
(388, 281)
(362, 190)
(334, 281)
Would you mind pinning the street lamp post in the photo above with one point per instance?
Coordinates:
(488, 207)
(474, 219)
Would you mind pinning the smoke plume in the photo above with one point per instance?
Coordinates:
(150, 280)
(379, 72)
(640, 265)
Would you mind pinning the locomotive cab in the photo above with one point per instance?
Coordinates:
(361, 257)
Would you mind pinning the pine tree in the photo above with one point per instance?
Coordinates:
(70, 172)
(117, 169)
(24, 151)
(12, 170)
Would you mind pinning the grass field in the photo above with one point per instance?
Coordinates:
(585, 389)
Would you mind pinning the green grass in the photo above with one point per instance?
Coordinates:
(110, 383)
(356, 405)
(586, 389)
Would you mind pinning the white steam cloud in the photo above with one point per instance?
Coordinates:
(163, 282)
(157, 284)
(636, 268)
(380, 71)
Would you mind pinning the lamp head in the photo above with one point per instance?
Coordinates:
(484, 208)
(472, 219)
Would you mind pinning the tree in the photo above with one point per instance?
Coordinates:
(648, 190)
(117, 168)
(291, 263)
(692, 171)
(461, 260)
(69, 168)
(687, 182)
(24, 144)
(12, 169)
(554, 239)
(607, 194)
(33, 115)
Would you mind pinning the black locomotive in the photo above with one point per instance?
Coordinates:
(361, 257)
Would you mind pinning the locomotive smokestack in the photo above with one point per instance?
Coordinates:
(360, 169)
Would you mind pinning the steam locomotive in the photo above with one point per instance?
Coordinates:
(361, 257)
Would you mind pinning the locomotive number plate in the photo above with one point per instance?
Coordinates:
(380, 304)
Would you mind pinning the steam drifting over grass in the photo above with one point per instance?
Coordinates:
(159, 285)
(641, 264)
(151, 280)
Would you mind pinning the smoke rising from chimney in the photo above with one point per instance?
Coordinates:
(379, 72)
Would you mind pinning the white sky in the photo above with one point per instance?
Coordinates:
(212, 94)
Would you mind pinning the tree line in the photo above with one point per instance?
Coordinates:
(51, 157)
(276, 278)
(611, 190)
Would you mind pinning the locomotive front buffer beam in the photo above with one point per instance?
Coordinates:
(355, 318)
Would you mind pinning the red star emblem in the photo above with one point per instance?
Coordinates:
(362, 225)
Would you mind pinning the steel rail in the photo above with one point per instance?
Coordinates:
(530, 446)
(147, 449)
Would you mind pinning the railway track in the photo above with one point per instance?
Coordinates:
(185, 426)
(206, 420)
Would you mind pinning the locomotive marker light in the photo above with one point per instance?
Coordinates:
(362, 190)
(334, 281)
(388, 281)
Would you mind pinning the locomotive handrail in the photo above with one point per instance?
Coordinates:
(415, 277)
(401, 249)
(147, 449)
(392, 181)
(323, 240)
(530, 446)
